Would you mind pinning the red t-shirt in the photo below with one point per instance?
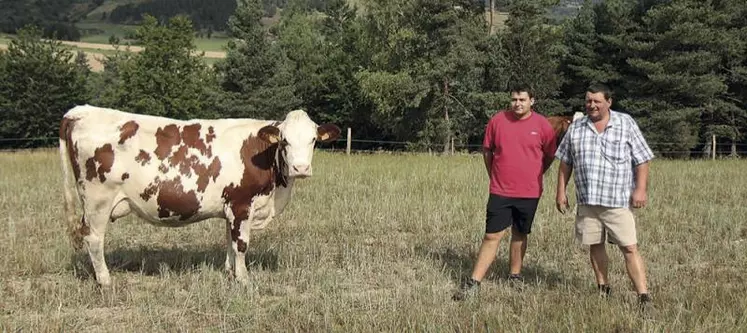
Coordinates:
(519, 147)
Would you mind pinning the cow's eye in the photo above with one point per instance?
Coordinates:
(313, 140)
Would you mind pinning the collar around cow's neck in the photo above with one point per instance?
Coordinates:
(280, 178)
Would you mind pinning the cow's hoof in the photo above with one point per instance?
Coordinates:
(104, 281)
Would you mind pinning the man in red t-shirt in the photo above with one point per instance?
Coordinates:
(518, 148)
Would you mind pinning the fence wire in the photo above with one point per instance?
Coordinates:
(370, 146)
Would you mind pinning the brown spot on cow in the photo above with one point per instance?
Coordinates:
(179, 157)
(204, 174)
(104, 156)
(191, 138)
(77, 234)
(211, 135)
(143, 157)
(127, 131)
(166, 138)
(258, 157)
(185, 164)
(241, 245)
(150, 190)
(163, 168)
(66, 130)
(560, 125)
(125, 176)
(173, 199)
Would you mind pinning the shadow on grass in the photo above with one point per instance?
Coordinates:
(458, 264)
(152, 260)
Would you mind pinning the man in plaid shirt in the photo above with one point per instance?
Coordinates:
(610, 156)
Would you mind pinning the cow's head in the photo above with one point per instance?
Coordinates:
(560, 124)
(296, 136)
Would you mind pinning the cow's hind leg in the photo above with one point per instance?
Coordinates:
(230, 255)
(97, 217)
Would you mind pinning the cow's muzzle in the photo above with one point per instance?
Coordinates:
(300, 170)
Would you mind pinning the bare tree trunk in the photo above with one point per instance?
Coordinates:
(733, 148)
(447, 137)
(490, 12)
(707, 151)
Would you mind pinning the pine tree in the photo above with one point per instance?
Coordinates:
(679, 82)
(39, 82)
(255, 75)
(531, 51)
(166, 79)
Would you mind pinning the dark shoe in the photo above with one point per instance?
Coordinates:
(604, 290)
(469, 289)
(515, 278)
(516, 281)
(646, 306)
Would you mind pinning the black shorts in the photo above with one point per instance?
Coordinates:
(503, 212)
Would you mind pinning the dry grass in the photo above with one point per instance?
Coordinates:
(374, 243)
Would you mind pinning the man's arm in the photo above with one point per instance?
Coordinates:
(641, 154)
(565, 158)
(641, 176)
(549, 148)
(564, 175)
(487, 155)
(639, 196)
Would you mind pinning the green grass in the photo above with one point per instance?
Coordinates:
(103, 31)
(375, 243)
(211, 44)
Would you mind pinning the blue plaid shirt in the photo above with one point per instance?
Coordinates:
(604, 163)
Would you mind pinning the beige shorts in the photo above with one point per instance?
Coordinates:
(595, 223)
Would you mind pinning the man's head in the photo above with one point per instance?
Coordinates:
(297, 135)
(522, 99)
(598, 101)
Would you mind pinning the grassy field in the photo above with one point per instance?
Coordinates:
(376, 243)
(105, 30)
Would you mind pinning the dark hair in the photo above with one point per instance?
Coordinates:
(517, 88)
(600, 88)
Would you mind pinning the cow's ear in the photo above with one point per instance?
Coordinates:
(327, 132)
(269, 133)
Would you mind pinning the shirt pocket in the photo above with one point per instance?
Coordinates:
(615, 149)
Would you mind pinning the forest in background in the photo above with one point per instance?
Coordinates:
(420, 72)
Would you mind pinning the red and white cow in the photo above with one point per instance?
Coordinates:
(560, 124)
(172, 173)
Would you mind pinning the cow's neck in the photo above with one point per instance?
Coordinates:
(280, 165)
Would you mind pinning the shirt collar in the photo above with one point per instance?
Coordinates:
(615, 120)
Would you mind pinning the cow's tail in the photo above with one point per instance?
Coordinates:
(68, 188)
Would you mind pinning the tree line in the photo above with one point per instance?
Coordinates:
(425, 72)
(208, 15)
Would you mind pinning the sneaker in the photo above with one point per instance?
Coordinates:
(469, 289)
(604, 290)
(516, 281)
(646, 306)
(515, 278)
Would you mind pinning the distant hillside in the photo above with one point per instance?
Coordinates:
(53, 16)
(211, 15)
(65, 18)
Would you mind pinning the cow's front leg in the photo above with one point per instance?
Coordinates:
(238, 217)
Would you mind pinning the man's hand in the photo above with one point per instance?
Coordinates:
(638, 199)
(561, 202)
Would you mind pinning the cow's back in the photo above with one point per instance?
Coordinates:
(167, 171)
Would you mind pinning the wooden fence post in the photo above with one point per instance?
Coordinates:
(347, 150)
(713, 147)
